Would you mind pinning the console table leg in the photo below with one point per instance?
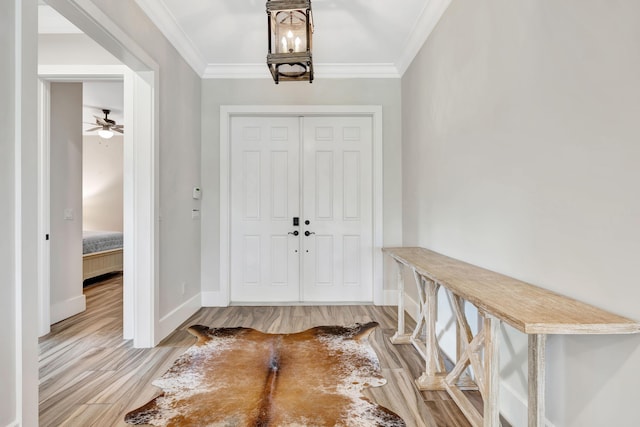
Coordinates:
(434, 374)
(400, 337)
(492, 372)
(433, 363)
(537, 346)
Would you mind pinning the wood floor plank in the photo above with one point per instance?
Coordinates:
(90, 376)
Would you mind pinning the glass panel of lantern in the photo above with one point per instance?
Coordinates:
(290, 31)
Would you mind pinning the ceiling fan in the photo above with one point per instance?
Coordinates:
(106, 126)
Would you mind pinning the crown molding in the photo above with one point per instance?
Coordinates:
(326, 71)
(425, 25)
(236, 71)
(166, 23)
(357, 71)
(160, 15)
(81, 72)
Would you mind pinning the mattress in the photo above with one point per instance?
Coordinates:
(98, 241)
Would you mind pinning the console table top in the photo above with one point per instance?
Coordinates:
(526, 307)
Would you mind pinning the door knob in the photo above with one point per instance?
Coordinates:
(295, 233)
(308, 233)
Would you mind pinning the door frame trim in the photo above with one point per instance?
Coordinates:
(227, 112)
(142, 160)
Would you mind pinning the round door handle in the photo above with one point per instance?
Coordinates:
(308, 233)
(295, 233)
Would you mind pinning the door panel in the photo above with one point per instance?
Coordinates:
(265, 262)
(337, 181)
(320, 170)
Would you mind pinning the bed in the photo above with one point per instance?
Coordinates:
(101, 253)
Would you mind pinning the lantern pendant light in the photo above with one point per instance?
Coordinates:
(290, 31)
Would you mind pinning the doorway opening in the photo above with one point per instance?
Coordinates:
(140, 155)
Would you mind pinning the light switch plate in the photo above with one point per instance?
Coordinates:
(197, 193)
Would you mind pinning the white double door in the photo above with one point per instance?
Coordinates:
(315, 169)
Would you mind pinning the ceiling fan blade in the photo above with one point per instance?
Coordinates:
(118, 130)
(101, 121)
(118, 126)
(92, 129)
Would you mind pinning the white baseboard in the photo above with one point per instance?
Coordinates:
(390, 297)
(214, 299)
(65, 309)
(171, 321)
(514, 408)
(411, 307)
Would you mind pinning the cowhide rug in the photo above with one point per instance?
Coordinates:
(243, 377)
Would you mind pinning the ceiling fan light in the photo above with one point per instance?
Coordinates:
(106, 134)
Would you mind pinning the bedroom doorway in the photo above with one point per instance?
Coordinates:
(138, 314)
(139, 73)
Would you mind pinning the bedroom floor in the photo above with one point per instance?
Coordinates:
(90, 376)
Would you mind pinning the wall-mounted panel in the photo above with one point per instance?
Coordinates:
(252, 260)
(324, 255)
(251, 169)
(351, 184)
(324, 185)
(279, 185)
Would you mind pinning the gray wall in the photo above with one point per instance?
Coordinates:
(179, 148)
(102, 163)
(520, 154)
(72, 49)
(179, 100)
(217, 92)
(65, 187)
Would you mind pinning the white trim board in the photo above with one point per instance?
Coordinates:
(171, 321)
(228, 111)
(160, 15)
(213, 299)
(64, 73)
(68, 308)
(427, 21)
(44, 214)
(324, 71)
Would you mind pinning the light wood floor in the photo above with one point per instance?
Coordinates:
(89, 376)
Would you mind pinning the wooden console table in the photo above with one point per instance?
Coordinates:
(498, 298)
